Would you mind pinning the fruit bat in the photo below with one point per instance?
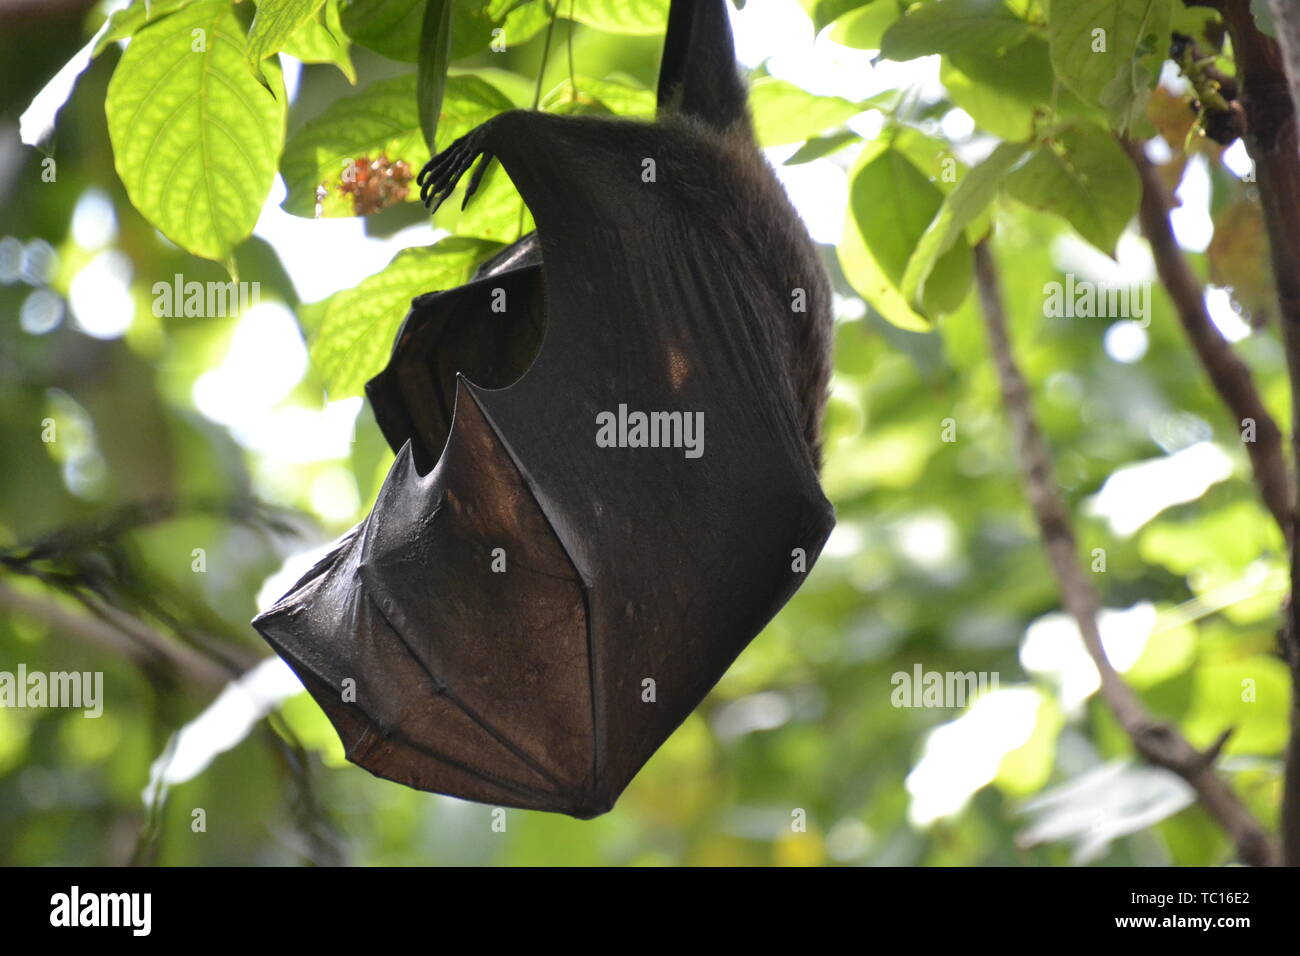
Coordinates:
(606, 480)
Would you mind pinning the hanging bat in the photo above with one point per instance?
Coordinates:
(559, 566)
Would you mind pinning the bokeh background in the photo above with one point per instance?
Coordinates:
(176, 434)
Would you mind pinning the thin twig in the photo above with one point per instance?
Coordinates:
(1158, 742)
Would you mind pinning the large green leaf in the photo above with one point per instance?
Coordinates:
(125, 22)
(1082, 175)
(1002, 92)
(274, 23)
(393, 27)
(864, 27)
(322, 40)
(639, 17)
(952, 26)
(390, 27)
(354, 329)
(582, 94)
(785, 113)
(966, 203)
(1109, 51)
(382, 118)
(892, 204)
(195, 136)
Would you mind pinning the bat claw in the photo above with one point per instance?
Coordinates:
(438, 178)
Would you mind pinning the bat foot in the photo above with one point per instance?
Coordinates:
(440, 175)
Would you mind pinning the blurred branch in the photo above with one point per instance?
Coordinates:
(93, 563)
(1158, 742)
(1229, 375)
(1286, 16)
(109, 629)
(1274, 148)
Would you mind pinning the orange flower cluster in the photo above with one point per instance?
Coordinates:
(375, 184)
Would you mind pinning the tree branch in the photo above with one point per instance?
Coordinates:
(1160, 743)
(1273, 146)
(1286, 16)
(1229, 375)
(120, 634)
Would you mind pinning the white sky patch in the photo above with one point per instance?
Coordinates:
(1225, 318)
(1052, 648)
(868, 125)
(819, 191)
(265, 360)
(1134, 494)
(1126, 342)
(324, 256)
(225, 722)
(1158, 151)
(292, 75)
(100, 295)
(780, 34)
(1133, 262)
(845, 541)
(1193, 227)
(928, 540)
(957, 124)
(960, 757)
(1237, 159)
(298, 435)
(94, 221)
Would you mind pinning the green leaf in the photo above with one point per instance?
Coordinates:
(497, 211)
(125, 22)
(382, 118)
(1082, 175)
(951, 26)
(355, 327)
(274, 23)
(960, 208)
(821, 146)
(892, 203)
(1109, 52)
(824, 12)
(431, 82)
(785, 113)
(323, 41)
(864, 28)
(1004, 109)
(1251, 695)
(390, 27)
(587, 95)
(195, 136)
(633, 17)
(1022, 73)
(393, 27)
